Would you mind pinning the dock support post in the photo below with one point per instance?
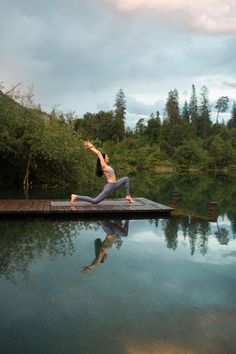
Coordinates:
(175, 199)
(212, 211)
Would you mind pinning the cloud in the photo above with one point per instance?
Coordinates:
(140, 108)
(80, 53)
(229, 84)
(213, 16)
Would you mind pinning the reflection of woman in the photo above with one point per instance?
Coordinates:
(113, 233)
(112, 184)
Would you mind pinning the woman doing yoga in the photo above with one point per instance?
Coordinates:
(113, 235)
(112, 184)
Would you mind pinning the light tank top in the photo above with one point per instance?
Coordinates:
(110, 172)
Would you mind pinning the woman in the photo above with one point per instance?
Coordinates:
(112, 184)
(113, 235)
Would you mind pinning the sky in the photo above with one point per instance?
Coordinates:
(77, 54)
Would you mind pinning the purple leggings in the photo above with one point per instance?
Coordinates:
(107, 189)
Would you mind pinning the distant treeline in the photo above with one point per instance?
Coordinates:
(46, 149)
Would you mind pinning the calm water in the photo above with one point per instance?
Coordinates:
(124, 286)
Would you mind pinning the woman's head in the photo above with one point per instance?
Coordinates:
(107, 158)
(99, 171)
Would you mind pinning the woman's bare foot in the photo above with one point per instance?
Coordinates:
(73, 198)
(130, 200)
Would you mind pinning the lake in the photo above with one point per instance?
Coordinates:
(152, 286)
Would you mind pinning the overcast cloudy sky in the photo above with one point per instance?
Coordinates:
(79, 53)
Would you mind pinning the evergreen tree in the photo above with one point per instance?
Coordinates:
(120, 112)
(193, 109)
(153, 127)
(157, 116)
(172, 107)
(185, 112)
(105, 125)
(222, 105)
(204, 122)
(140, 127)
(232, 121)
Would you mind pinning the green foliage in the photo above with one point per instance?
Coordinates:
(172, 107)
(174, 136)
(153, 128)
(47, 149)
(140, 127)
(193, 109)
(191, 154)
(232, 121)
(222, 105)
(37, 146)
(185, 112)
(96, 126)
(203, 121)
(220, 152)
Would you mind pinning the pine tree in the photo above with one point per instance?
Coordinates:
(204, 122)
(153, 127)
(222, 105)
(172, 107)
(140, 127)
(185, 112)
(193, 109)
(232, 121)
(158, 117)
(119, 114)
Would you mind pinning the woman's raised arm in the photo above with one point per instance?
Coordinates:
(88, 145)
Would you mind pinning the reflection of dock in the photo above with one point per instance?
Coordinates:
(211, 211)
(142, 207)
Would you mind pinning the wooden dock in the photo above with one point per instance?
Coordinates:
(116, 207)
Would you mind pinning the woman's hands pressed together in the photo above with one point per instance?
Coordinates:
(88, 145)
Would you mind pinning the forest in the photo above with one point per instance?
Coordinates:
(46, 149)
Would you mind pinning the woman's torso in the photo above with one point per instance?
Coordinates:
(110, 174)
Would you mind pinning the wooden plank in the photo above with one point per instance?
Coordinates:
(33, 206)
(22, 205)
(3, 202)
(115, 206)
(40, 205)
(5, 205)
(29, 204)
(13, 206)
(155, 204)
(47, 206)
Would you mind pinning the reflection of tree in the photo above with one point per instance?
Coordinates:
(154, 222)
(203, 230)
(196, 230)
(232, 218)
(222, 235)
(171, 232)
(192, 232)
(184, 223)
(22, 242)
